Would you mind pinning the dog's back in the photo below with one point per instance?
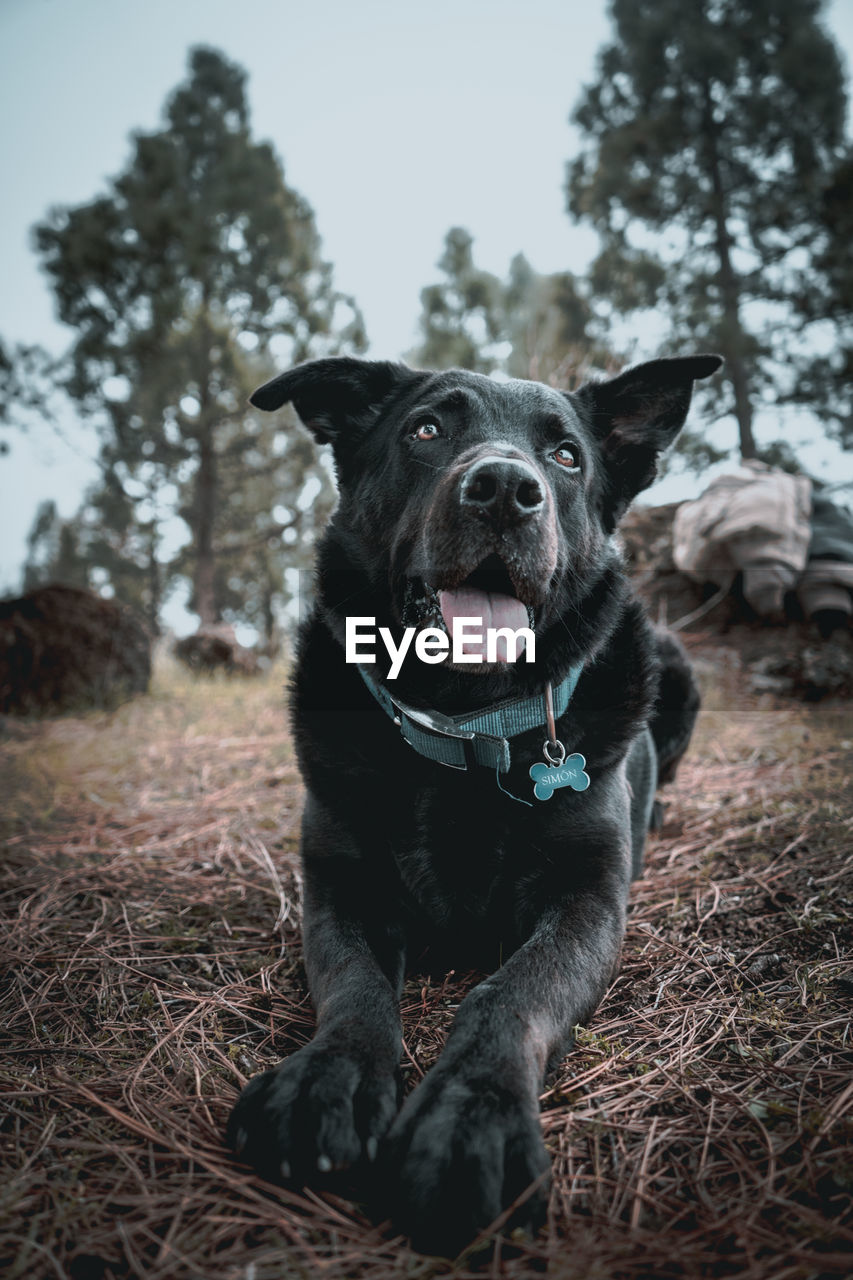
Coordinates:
(677, 705)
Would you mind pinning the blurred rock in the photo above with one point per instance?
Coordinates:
(812, 671)
(66, 649)
(669, 595)
(787, 656)
(215, 647)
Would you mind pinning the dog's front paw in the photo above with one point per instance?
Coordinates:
(460, 1154)
(321, 1110)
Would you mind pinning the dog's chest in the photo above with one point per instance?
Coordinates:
(457, 865)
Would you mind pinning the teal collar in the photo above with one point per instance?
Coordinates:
(461, 741)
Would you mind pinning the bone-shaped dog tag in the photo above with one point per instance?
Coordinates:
(550, 777)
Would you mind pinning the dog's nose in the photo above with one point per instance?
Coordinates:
(506, 490)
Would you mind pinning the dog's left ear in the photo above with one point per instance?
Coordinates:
(635, 416)
(335, 396)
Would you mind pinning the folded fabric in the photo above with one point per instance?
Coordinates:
(755, 521)
(826, 585)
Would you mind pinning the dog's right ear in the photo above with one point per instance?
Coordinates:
(337, 395)
(635, 416)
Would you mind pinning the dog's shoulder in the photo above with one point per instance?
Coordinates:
(617, 693)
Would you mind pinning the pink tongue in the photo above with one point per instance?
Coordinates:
(494, 610)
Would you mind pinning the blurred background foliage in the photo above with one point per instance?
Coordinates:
(715, 170)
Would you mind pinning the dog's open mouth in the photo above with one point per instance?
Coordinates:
(487, 595)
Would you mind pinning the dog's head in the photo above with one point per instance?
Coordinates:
(463, 496)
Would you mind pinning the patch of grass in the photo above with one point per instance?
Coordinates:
(150, 937)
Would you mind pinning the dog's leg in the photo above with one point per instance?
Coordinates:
(328, 1105)
(641, 771)
(468, 1141)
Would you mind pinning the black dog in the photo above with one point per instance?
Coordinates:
(423, 839)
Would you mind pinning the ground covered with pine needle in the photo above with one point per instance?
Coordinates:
(703, 1125)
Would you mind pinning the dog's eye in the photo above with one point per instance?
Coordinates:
(426, 430)
(567, 456)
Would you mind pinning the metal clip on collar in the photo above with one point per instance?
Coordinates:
(552, 749)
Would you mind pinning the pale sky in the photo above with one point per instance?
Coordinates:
(395, 120)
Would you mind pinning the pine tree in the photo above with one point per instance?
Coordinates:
(529, 326)
(27, 386)
(106, 546)
(55, 551)
(462, 316)
(197, 262)
(710, 131)
(550, 327)
(273, 500)
(825, 380)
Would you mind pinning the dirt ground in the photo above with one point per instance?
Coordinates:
(703, 1126)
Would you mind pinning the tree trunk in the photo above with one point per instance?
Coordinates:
(154, 582)
(267, 611)
(206, 480)
(205, 583)
(730, 289)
